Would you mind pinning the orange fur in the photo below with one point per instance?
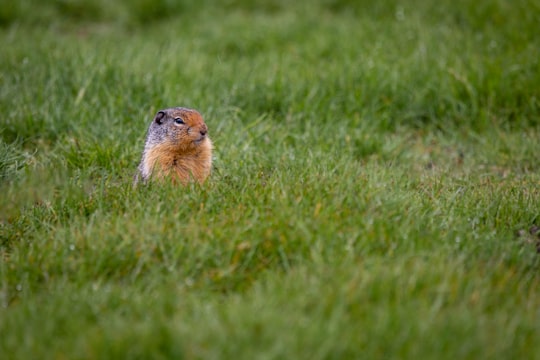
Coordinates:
(166, 161)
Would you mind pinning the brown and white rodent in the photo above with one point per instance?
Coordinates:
(177, 148)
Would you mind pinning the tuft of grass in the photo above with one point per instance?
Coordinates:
(12, 160)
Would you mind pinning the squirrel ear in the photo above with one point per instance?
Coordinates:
(159, 117)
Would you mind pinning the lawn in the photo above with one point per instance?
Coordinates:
(375, 191)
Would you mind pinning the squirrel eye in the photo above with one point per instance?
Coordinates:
(179, 121)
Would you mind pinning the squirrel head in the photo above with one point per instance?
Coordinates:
(178, 127)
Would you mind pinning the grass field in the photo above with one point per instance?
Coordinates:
(374, 162)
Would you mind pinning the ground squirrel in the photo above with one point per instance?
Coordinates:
(177, 147)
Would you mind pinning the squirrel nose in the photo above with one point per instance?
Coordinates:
(203, 131)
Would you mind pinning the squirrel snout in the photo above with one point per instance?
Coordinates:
(204, 130)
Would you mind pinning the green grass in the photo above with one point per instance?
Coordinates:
(373, 163)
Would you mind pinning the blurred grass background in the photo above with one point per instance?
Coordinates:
(373, 164)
